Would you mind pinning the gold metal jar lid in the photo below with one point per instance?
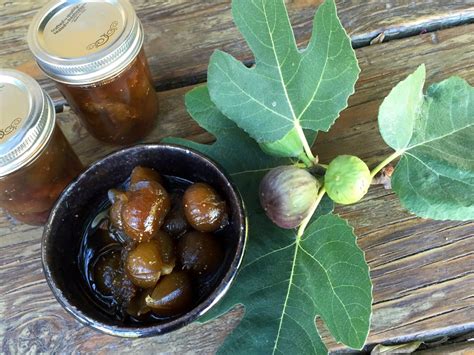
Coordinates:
(27, 118)
(80, 42)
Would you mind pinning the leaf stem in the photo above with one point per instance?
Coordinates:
(305, 221)
(304, 158)
(385, 162)
(304, 141)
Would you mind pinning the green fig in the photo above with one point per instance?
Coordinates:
(347, 179)
(287, 194)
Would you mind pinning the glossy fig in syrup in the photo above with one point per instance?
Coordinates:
(172, 295)
(149, 260)
(141, 173)
(204, 209)
(141, 211)
(200, 252)
(111, 280)
(118, 199)
(176, 223)
(145, 211)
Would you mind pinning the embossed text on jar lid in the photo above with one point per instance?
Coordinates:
(26, 120)
(81, 42)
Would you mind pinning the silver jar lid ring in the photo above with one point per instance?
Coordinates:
(27, 119)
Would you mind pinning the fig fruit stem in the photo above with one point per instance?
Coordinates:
(384, 163)
(306, 161)
(313, 208)
(304, 141)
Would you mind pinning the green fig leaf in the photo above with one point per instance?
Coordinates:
(284, 282)
(287, 88)
(290, 146)
(434, 135)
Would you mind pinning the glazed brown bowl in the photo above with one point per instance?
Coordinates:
(66, 226)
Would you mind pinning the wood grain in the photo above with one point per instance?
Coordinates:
(182, 34)
(422, 270)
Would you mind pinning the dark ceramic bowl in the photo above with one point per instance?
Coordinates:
(66, 225)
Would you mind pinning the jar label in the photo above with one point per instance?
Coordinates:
(72, 16)
(80, 30)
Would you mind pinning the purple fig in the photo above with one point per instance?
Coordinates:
(287, 194)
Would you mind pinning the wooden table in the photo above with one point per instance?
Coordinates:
(422, 270)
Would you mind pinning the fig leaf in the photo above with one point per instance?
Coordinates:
(434, 135)
(284, 282)
(288, 88)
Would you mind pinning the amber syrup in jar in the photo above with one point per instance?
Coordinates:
(100, 238)
(102, 72)
(37, 162)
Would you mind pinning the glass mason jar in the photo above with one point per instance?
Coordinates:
(93, 50)
(36, 161)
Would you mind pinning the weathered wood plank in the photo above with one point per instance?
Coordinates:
(422, 270)
(466, 348)
(181, 35)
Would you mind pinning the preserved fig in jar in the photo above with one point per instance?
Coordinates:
(204, 209)
(287, 194)
(200, 252)
(103, 72)
(172, 295)
(36, 161)
(347, 179)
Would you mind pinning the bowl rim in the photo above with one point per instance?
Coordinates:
(204, 306)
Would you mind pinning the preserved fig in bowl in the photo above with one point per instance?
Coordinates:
(110, 278)
(200, 252)
(149, 260)
(145, 210)
(141, 173)
(176, 223)
(118, 198)
(347, 179)
(204, 209)
(172, 295)
(137, 307)
(106, 270)
(287, 193)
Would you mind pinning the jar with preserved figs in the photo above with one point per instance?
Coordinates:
(93, 50)
(36, 161)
